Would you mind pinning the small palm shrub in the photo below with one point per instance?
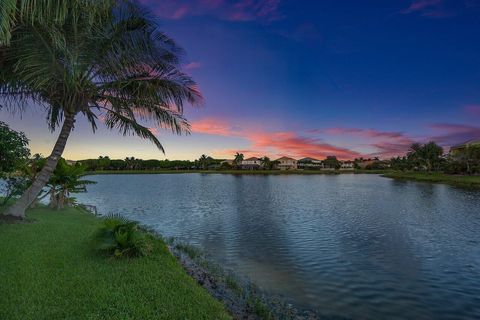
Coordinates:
(120, 237)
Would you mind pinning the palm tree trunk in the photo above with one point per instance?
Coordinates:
(61, 198)
(53, 197)
(19, 207)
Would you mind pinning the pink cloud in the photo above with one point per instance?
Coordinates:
(212, 126)
(192, 65)
(290, 143)
(429, 8)
(180, 12)
(370, 133)
(272, 143)
(239, 10)
(419, 5)
(387, 143)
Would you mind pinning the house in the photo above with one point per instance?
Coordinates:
(363, 163)
(309, 164)
(286, 163)
(461, 147)
(347, 165)
(71, 162)
(252, 163)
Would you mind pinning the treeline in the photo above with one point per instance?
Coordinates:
(430, 157)
(132, 163)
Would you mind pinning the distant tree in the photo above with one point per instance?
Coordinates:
(332, 162)
(238, 159)
(225, 165)
(131, 163)
(14, 151)
(400, 163)
(377, 165)
(428, 156)
(205, 161)
(469, 158)
(266, 163)
(103, 162)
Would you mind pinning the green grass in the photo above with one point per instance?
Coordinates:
(457, 180)
(48, 270)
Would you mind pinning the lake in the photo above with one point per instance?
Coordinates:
(354, 246)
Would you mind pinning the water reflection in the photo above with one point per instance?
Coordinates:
(357, 246)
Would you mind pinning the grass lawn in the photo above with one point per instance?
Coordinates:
(49, 271)
(457, 180)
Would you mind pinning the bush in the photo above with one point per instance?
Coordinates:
(13, 187)
(120, 237)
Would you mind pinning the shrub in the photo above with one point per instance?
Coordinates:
(120, 237)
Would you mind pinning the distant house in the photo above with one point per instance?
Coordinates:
(286, 163)
(252, 163)
(309, 164)
(347, 165)
(461, 147)
(363, 163)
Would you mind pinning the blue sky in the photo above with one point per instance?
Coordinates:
(310, 78)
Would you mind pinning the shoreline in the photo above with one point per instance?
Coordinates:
(472, 182)
(238, 172)
(241, 297)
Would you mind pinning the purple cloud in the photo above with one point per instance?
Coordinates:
(231, 10)
(437, 8)
(473, 109)
(452, 134)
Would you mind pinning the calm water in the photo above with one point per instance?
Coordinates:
(357, 246)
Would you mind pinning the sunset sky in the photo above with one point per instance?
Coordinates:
(308, 78)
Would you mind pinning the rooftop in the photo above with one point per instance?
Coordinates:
(466, 143)
(285, 158)
(308, 159)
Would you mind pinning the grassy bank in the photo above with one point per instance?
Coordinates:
(242, 172)
(49, 271)
(456, 180)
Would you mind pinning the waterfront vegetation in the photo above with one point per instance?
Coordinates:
(237, 172)
(436, 177)
(51, 270)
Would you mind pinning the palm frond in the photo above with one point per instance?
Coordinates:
(75, 56)
(126, 126)
(46, 12)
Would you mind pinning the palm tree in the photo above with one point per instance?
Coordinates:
(91, 58)
(266, 163)
(203, 161)
(66, 179)
(238, 159)
(427, 155)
